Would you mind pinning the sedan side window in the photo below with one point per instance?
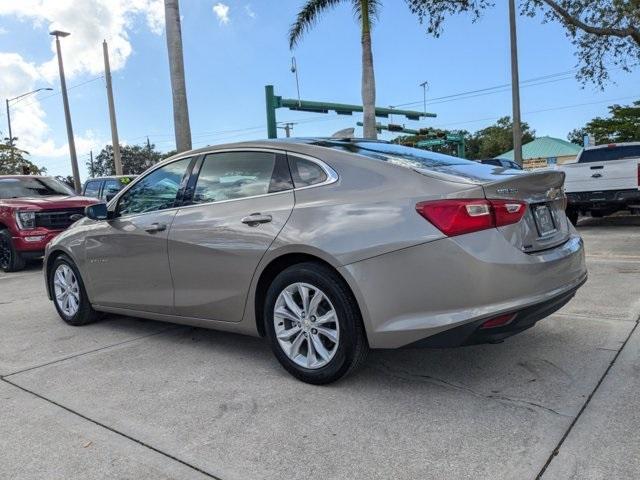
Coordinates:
(231, 175)
(92, 188)
(111, 187)
(156, 191)
(306, 172)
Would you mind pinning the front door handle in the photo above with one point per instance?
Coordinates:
(256, 218)
(156, 227)
(596, 175)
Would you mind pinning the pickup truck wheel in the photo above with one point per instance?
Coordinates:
(10, 259)
(572, 215)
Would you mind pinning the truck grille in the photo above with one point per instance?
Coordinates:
(57, 220)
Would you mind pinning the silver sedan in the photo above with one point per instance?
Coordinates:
(326, 247)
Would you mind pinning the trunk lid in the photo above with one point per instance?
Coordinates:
(544, 224)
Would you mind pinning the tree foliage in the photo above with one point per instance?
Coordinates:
(16, 163)
(434, 12)
(496, 139)
(622, 125)
(605, 32)
(135, 160)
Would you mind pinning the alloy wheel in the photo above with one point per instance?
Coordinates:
(66, 290)
(306, 325)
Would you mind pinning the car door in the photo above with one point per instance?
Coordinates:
(240, 202)
(127, 255)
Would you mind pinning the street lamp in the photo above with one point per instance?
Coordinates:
(67, 114)
(9, 114)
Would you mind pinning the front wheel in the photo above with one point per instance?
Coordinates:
(10, 258)
(313, 324)
(69, 294)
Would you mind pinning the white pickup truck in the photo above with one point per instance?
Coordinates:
(603, 180)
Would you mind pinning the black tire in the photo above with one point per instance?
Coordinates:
(572, 215)
(85, 313)
(352, 345)
(10, 259)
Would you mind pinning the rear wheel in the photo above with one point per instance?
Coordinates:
(69, 294)
(313, 324)
(10, 259)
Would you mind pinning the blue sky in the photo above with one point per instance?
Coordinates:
(229, 62)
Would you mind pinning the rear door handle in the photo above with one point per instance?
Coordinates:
(156, 227)
(596, 175)
(256, 218)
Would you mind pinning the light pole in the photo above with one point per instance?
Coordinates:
(67, 114)
(112, 111)
(424, 86)
(515, 86)
(9, 114)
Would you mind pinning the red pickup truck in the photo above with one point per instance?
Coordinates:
(33, 210)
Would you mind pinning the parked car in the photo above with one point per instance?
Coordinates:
(33, 210)
(501, 162)
(105, 188)
(603, 180)
(326, 247)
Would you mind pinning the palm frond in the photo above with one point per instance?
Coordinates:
(307, 17)
(374, 9)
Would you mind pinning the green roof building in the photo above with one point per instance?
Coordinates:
(545, 151)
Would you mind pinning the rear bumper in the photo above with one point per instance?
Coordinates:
(419, 292)
(473, 333)
(604, 200)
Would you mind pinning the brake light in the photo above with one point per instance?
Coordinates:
(460, 216)
(499, 321)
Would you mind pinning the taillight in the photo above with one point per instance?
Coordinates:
(460, 216)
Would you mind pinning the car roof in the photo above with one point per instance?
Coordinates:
(613, 144)
(26, 176)
(109, 177)
(281, 143)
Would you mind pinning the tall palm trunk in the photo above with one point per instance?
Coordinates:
(368, 77)
(176, 69)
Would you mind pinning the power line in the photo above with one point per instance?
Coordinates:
(551, 109)
(68, 88)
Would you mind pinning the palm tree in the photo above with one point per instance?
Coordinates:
(176, 69)
(365, 10)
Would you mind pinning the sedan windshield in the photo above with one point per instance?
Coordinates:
(32, 187)
(398, 154)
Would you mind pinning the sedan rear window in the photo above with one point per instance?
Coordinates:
(398, 154)
(619, 152)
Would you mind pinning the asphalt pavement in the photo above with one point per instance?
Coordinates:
(129, 398)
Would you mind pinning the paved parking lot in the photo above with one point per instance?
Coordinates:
(127, 398)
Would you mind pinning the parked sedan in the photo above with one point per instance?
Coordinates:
(105, 188)
(326, 247)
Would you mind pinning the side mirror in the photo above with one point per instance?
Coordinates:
(97, 212)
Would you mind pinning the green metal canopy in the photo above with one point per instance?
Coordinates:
(545, 147)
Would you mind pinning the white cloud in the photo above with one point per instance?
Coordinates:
(222, 12)
(89, 22)
(249, 11)
(3, 31)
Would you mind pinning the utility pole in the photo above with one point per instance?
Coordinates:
(117, 160)
(176, 70)
(10, 134)
(91, 160)
(11, 146)
(67, 114)
(515, 86)
(288, 128)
